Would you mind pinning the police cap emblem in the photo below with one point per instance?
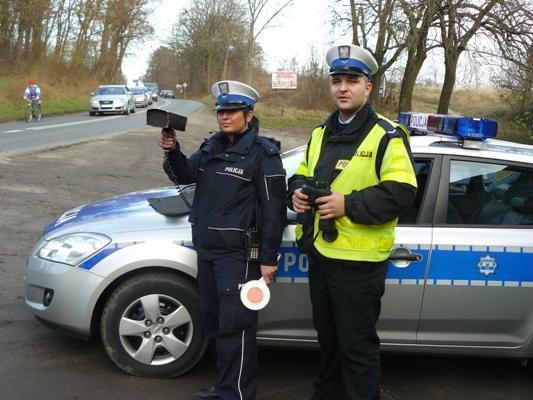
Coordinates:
(234, 95)
(351, 60)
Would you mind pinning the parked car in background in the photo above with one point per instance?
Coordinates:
(168, 94)
(139, 96)
(460, 276)
(148, 95)
(153, 88)
(109, 99)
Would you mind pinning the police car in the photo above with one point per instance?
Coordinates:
(460, 279)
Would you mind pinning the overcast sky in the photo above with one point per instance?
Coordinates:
(302, 27)
(292, 35)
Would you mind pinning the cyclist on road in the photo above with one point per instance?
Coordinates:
(32, 95)
(32, 92)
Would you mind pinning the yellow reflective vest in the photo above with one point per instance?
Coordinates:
(358, 242)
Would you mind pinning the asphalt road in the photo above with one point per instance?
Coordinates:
(73, 128)
(39, 363)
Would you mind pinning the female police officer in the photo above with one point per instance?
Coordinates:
(240, 184)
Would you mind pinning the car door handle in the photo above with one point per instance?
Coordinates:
(403, 254)
(408, 257)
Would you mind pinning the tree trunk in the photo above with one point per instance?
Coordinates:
(449, 82)
(413, 65)
(376, 84)
(6, 23)
(250, 56)
(355, 22)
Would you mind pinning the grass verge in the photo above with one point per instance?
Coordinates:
(58, 96)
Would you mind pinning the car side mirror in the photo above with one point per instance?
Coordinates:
(291, 216)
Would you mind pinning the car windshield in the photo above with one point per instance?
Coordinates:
(292, 159)
(137, 91)
(110, 90)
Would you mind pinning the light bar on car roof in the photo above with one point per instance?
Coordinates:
(465, 128)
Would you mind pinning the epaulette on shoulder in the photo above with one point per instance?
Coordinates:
(209, 141)
(270, 145)
(205, 142)
(389, 128)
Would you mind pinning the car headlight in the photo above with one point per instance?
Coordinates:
(74, 248)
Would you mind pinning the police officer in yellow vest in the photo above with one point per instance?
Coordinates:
(357, 177)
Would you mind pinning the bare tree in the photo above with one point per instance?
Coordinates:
(125, 21)
(205, 35)
(83, 34)
(165, 67)
(420, 16)
(7, 28)
(511, 32)
(89, 15)
(314, 91)
(61, 26)
(459, 21)
(377, 25)
(258, 21)
(22, 31)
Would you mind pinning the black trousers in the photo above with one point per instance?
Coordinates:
(346, 299)
(229, 324)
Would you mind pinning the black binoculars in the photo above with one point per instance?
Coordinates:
(314, 190)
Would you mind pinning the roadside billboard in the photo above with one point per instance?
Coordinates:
(284, 80)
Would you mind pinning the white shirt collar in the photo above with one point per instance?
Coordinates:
(347, 121)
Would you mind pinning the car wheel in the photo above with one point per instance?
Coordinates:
(92, 113)
(134, 109)
(151, 325)
(127, 110)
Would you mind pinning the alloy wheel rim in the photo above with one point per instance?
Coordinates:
(156, 329)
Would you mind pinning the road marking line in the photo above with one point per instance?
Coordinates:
(87, 121)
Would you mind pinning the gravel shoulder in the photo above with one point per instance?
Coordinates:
(38, 185)
(39, 363)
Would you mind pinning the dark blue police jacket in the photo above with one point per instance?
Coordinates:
(238, 185)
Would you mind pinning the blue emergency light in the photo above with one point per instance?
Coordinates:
(464, 128)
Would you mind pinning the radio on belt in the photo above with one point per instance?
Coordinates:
(470, 131)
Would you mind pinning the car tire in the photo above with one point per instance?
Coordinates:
(92, 113)
(134, 109)
(131, 320)
(127, 110)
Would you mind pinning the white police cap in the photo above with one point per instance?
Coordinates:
(231, 95)
(351, 60)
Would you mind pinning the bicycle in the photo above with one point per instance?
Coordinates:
(33, 110)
